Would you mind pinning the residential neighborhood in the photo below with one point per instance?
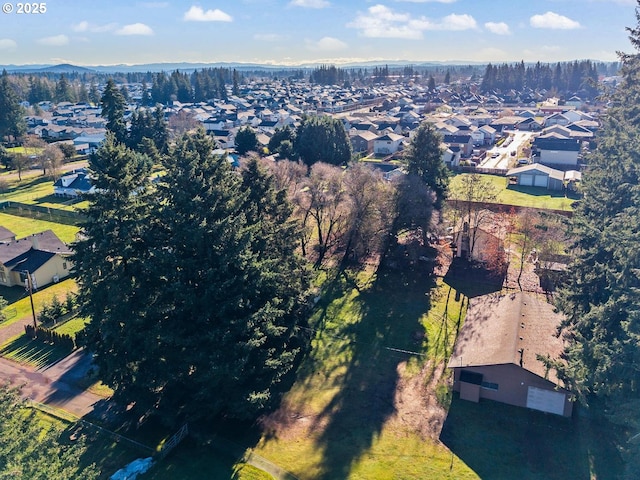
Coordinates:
(367, 271)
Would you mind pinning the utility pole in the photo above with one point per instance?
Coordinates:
(33, 310)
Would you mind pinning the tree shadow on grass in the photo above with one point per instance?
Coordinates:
(388, 326)
(34, 352)
(500, 441)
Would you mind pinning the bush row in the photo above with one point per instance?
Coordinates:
(48, 335)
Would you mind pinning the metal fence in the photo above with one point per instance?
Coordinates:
(38, 211)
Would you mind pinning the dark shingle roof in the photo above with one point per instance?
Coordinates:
(498, 327)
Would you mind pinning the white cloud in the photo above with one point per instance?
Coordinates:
(135, 29)
(455, 22)
(382, 22)
(554, 21)
(309, 3)
(326, 44)
(269, 37)
(85, 26)
(427, 1)
(7, 44)
(197, 14)
(54, 41)
(499, 28)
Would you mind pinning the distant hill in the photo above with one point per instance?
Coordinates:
(189, 67)
(62, 68)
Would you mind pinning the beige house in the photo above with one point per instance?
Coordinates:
(496, 354)
(43, 256)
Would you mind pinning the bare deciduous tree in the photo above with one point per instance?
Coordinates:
(370, 211)
(467, 202)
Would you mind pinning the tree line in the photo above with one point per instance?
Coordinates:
(568, 78)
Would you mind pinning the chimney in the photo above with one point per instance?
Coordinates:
(35, 241)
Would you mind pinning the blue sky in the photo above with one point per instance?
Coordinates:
(300, 31)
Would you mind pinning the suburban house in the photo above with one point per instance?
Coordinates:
(42, 255)
(557, 151)
(363, 141)
(73, 184)
(496, 355)
(537, 175)
(387, 144)
(478, 245)
(464, 142)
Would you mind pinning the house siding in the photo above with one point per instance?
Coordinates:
(513, 384)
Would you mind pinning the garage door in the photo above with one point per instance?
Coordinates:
(526, 180)
(545, 400)
(541, 181)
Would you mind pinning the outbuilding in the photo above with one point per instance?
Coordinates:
(537, 175)
(497, 354)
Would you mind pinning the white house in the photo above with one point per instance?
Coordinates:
(387, 144)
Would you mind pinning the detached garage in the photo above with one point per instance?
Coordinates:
(537, 175)
(495, 356)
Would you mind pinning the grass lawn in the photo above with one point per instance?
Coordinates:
(503, 442)
(534, 197)
(18, 298)
(24, 226)
(344, 417)
(23, 349)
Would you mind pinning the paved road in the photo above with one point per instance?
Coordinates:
(504, 157)
(53, 385)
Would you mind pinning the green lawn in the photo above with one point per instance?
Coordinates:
(18, 298)
(344, 422)
(23, 226)
(534, 197)
(23, 349)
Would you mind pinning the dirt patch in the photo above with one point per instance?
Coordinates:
(416, 409)
(417, 406)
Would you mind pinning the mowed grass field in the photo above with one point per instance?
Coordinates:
(364, 403)
(533, 197)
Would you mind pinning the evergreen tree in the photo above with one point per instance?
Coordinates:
(280, 135)
(94, 95)
(322, 139)
(12, 123)
(29, 451)
(246, 140)
(602, 299)
(64, 91)
(194, 291)
(432, 84)
(113, 104)
(423, 158)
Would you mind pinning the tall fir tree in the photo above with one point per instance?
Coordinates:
(423, 158)
(113, 104)
(602, 299)
(196, 302)
(12, 123)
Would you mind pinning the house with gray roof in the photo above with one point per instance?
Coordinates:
(537, 175)
(497, 353)
(43, 256)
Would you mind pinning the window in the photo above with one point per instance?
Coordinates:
(489, 386)
(64, 265)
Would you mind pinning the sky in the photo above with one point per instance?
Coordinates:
(294, 32)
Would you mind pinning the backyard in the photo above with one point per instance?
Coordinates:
(519, 196)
